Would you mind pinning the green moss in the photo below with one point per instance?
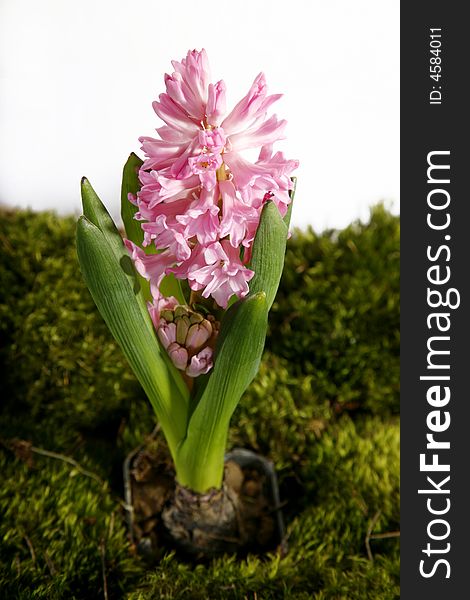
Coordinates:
(332, 349)
(57, 526)
(279, 416)
(336, 315)
(327, 556)
(60, 362)
(351, 477)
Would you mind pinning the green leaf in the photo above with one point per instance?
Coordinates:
(240, 344)
(96, 213)
(288, 214)
(129, 322)
(269, 248)
(131, 185)
(170, 286)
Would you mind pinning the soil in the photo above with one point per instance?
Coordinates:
(242, 517)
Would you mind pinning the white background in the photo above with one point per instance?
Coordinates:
(78, 79)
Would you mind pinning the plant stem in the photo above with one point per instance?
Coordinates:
(199, 459)
(200, 464)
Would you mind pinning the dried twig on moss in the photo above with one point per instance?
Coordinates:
(377, 536)
(70, 461)
(30, 547)
(103, 568)
(370, 529)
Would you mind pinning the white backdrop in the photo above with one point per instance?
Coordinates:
(78, 79)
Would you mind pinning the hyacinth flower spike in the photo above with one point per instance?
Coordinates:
(187, 293)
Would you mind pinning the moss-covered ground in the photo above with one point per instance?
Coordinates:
(324, 408)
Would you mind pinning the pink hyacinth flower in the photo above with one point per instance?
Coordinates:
(240, 220)
(212, 139)
(165, 236)
(215, 108)
(202, 217)
(251, 109)
(151, 266)
(223, 275)
(201, 198)
(205, 165)
(188, 86)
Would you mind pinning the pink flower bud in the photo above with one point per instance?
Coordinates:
(182, 327)
(178, 355)
(166, 333)
(198, 335)
(200, 363)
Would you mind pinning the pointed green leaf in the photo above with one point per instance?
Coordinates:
(288, 214)
(131, 185)
(241, 340)
(132, 328)
(238, 353)
(269, 249)
(96, 212)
